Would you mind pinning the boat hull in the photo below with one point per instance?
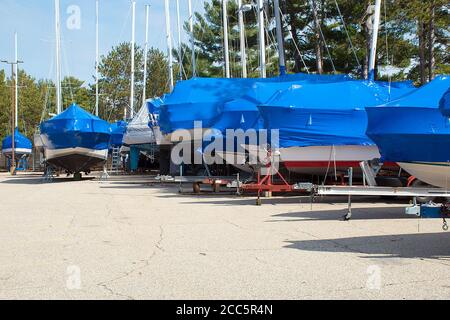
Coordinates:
(237, 160)
(138, 137)
(19, 152)
(436, 174)
(76, 151)
(413, 134)
(75, 160)
(320, 159)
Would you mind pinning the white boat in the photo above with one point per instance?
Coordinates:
(436, 173)
(138, 130)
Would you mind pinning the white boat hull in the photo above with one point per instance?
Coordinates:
(311, 160)
(136, 137)
(77, 159)
(436, 174)
(58, 153)
(237, 160)
(18, 151)
(319, 159)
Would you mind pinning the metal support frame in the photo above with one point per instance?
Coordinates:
(348, 216)
(266, 183)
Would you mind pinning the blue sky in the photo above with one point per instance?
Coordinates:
(34, 22)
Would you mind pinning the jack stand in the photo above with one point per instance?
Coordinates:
(265, 181)
(180, 187)
(444, 225)
(49, 175)
(104, 176)
(348, 216)
(238, 187)
(258, 200)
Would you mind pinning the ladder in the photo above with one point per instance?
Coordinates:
(151, 152)
(115, 160)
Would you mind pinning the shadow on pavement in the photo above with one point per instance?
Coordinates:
(369, 213)
(417, 245)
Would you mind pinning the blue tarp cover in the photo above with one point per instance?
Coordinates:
(154, 105)
(117, 131)
(75, 127)
(444, 104)
(20, 142)
(321, 114)
(412, 128)
(205, 99)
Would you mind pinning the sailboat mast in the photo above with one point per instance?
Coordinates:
(191, 30)
(262, 44)
(96, 57)
(133, 40)
(16, 93)
(242, 39)
(169, 43)
(180, 56)
(144, 90)
(225, 38)
(280, 39)
(373, 47)
(58, 57)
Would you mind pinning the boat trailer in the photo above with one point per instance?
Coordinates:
(438, 210)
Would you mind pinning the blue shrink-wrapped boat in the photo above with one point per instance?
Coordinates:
(444, 104)
(75, 140)
(22, 145)
(322, 126)
(117, 131)
(414, 131)
(207, 100)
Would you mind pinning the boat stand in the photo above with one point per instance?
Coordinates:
(266, 184)
(49, 174)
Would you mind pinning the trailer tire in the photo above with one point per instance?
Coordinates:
(394, 182)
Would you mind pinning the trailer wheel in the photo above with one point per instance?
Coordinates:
(394, 182)
(389, 182)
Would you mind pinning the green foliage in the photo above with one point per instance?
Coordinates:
(5, 106)
(115, 79)
(399, 29)
(73, 91)
(397, 41)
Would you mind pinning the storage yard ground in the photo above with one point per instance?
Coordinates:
(130, 239)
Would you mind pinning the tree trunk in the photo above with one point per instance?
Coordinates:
(422, 62)
(318, 45)
(431, 40)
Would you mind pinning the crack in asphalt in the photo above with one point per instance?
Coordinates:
(145, 264)
(105, 286)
